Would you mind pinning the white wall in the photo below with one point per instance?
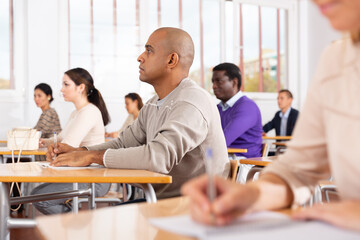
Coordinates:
(42, 49)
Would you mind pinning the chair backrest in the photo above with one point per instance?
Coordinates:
(264, 150)
(234, 169)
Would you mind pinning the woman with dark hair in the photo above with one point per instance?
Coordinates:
(85, 127)
(86, 124)
(133, 104)
(48, 122)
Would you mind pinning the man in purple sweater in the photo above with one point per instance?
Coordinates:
(240, 116)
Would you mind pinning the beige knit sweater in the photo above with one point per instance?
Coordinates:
(171, 139)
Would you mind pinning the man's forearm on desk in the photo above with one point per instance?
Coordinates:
(97, 157)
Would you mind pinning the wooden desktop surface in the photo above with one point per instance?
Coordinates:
(121, 222)
(259, 161)
(277, 138)
(283, 144)
(237, 150)
(33, 172)
(40, 151)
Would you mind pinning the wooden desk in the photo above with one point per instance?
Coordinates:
(122, 222)
(40, 151)
(237, 150)
(259, 161)
(282, 144)
(277, 138)
(33, 172)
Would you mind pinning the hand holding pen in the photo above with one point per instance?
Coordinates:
(58, 148)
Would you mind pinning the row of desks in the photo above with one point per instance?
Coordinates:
(33, 172)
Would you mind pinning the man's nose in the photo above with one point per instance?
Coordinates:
(140, 58)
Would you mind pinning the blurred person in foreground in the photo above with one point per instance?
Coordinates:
(325, 143)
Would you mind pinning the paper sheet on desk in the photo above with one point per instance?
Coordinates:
(47, 165)
(255, 226)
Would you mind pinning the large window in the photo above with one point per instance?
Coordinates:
(6, 45)
(104, 39)
(106, 36)
(261, 43)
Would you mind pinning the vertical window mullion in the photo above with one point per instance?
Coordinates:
(202, 77)
(159, 12)
(241, 48)
(261, 79)
(278, 65)
(11, 43)
(222, 31)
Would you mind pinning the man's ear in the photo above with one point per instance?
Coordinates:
(235, 82)
(173, 60)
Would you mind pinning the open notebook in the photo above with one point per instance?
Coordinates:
(47, 165)
(256, 226)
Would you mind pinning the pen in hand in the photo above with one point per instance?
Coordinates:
(55, 143)
(210, 170)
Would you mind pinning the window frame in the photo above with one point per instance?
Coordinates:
(292, 43)
(19, 69)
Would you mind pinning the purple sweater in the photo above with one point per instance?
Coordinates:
(242, 127)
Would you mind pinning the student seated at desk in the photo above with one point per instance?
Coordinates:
(285, 119)
(240, 116)
(133, 104)
(325, 142)
(84, 127)
(48, 122)
(173, 129)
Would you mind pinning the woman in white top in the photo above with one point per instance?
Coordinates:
(133, 104)
(325, 142)
(84, 127)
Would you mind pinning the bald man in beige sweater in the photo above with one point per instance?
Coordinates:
(173, 129)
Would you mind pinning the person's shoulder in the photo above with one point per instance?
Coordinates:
(90, 109)
(190, 91)
(190, 94)
(336, 56)
(295, 111)
(246, 102)
(51, 111)
(150, 103)
(189, 86)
